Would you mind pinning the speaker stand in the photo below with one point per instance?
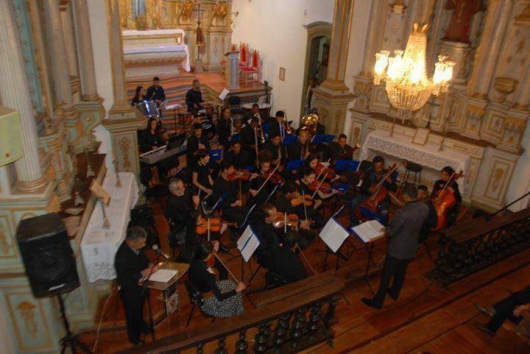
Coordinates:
(70, 340)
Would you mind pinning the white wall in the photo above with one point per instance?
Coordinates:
(276, 29)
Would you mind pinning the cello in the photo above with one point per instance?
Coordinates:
(445, 201)
(379, 191)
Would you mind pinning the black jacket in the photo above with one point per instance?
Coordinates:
(155, 93)
(129, 266)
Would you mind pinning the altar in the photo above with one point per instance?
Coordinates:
(400, 147)
(155, 53)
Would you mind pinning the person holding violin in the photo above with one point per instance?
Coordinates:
(404, 233)
(226, 300)
(372, 177)
(283, 264)
(183, 208)
(240, 158)
(201, 177)
(340, 150)
(150, 138)
(195, 142)
(230, 185)
(265, 182)
(278, 151)
(312, 188)
(321, 172)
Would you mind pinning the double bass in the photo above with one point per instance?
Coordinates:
(445, 201)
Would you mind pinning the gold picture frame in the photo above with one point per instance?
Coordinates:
(282, 74)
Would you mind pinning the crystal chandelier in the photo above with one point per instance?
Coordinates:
(407, 84)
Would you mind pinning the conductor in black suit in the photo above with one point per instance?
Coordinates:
(132, 265)
(404, 233)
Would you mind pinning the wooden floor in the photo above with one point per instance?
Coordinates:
(426, 318)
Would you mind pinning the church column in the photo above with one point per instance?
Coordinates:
(333, 96)
(86, 56)
(14, 94)
(57, 53)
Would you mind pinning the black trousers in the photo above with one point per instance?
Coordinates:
(394, 268)
(133, 302)
(504, 309)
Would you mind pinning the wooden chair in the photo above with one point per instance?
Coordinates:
(243, 55)
(197, 300)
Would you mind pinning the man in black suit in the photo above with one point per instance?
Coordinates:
(340, 150)
(156, 92)
(132, 266)
(239, 157)
(404, 232)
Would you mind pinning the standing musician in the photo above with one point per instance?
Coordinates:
(201, 177)
(301, 148)
(195, 142)
(278, 125)
(252, 137)
(224, 128)
(156, 92)
(132, 265)
(271, 254)
(182, 208)
(262, 186)
(150, 138)
(340, 150)
(404, 233)
(232, 205)
(139, 96)
(239, 157)
(278, 151)
(226, 300)
(371, 178)
(194, 98)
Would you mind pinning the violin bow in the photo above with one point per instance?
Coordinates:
(228, 269)
(267, 180)
(316, 190)
(303, 202)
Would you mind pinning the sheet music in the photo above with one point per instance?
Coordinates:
(369, 231)
(163, 275)
(223, 94)
(247, 243)
(333, 235)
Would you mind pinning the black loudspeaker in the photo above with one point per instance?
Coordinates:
(47, 255)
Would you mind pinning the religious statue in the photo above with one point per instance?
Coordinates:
(219, 14)
(460, 25)
(186, 12)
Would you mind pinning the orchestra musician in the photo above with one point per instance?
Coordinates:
(278, 125)
(224, 128)
(239, 157)
(371, 178)
(183, 208)
(314, 164)
(277, 258)
(139, 96)
(254, 112)
(156, 92)
(251, 136)
(231, 205)
(404, 233)
(226, 300)
(309, 179)
(201, 177)
(262, 186)
(195, 142)
(277, 149)
(445, 177)
(301, 148)
(150, 138)
(340, 150)
(194, 98)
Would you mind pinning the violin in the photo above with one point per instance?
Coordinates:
(306, 200)
(243, 175)
(321, 170)
(445, 201)
(291, 220)
(202, 225)
(274, 176)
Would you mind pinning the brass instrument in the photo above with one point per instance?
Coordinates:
(310, 121)
(288, 129)
(262, 136)
(256, 146)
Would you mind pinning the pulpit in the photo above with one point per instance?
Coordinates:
(232, 69)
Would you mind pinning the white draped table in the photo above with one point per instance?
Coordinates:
(99, 245)
(426, 155)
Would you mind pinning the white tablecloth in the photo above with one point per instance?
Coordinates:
(403, 148)
(99, 245)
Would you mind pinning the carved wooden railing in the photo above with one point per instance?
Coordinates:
(300, 316)
(468, 248)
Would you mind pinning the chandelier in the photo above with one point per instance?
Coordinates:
(407, 84)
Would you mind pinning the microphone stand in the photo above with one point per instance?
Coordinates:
(149, 310)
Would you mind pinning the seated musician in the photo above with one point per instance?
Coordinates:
(224, 128)
(262, 186)
(308, 185)
(251, 135)
(271, 254)
(445, 175)
(432, 218)
(340, 150)
(278, 150)
(232, 205)
(194, 98)
(288, 203)
(254, 112)
(301, 148)
(279, 126)
(150, 138)
(195, 142)
(239, 157)
(226, 300)
(320, 128)
(139, 96)
(182, 208)
(201, 177)
(312, 163)
(371, 179)
(156, 92)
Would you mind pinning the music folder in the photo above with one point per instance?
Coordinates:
(247, 243)
(369, 231)
(294, 165)
(346, 165)
(323, 138)
(289, 139)
(334, 235)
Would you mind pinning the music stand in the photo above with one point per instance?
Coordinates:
(334, 235)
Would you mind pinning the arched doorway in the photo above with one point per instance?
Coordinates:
(317, 53)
